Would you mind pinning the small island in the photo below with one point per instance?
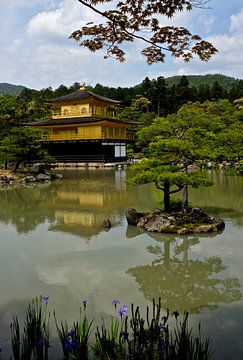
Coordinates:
(195, 220)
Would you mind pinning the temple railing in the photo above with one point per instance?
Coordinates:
(58, 114)
(76, 137)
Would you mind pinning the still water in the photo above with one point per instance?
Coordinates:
(52, 244)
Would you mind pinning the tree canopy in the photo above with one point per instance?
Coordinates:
(22, 145)
(209, 131)
(131, 20)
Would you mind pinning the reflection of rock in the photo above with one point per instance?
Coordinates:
(106, 224)
(181, 223)
(133, 231)
(29, 179)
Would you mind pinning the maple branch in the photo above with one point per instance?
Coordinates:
(115, 21)
(130, 18)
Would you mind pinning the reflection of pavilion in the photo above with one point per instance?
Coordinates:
(81, 210)
(76, 205)
(183, 284)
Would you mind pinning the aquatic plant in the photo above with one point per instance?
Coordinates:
(124, 338)
(109, 341)
(75, 342)
(33, 342)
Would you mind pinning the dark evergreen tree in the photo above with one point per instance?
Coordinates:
(182, 92)
(147, 89)
(216, 91)
(171, 97)
(61, 90)
(203, 92)
(75, 86)
(161, 96)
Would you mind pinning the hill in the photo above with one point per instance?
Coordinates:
(10, 89)
(195, 80)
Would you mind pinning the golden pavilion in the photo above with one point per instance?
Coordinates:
(83, 128)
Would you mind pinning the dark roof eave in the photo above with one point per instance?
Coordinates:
(76, 121)
(80, 95)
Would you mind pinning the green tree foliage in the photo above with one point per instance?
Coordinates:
(12, 113)
(183, 93)
(209, 131)
(133, 112)
(22, 146)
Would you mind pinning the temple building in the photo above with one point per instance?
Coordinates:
(83, 128)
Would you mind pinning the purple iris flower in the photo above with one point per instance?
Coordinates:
(115, 302)
(122, 311)
(45, 299)
(68, 345)
(176, 314)
(71, 333)
(85, 302)
(41, 342)
(124, 335)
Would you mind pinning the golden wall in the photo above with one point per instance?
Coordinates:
(86, 132)
(82, 110)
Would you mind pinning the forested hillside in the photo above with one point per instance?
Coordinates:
(197, 80)
(10, 89)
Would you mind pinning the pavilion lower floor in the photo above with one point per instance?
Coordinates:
(86, 151)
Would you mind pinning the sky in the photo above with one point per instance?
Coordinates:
(36, 50)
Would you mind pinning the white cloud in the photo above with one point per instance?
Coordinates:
(69, 16)
(44, 56)
(206, 22)
(230, 52)
(237, 22)
(14, 46)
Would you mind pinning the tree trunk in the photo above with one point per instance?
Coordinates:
(167, 196)
(158, 108)
(5, 164)
(16, 166)
(185, 198)
(185, 194)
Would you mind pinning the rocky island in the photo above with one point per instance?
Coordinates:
(194, 221)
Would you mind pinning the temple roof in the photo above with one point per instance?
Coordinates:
(81, 95)
(78, 120)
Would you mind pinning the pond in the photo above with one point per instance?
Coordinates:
(53, 244)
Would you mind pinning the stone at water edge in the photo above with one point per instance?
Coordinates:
(159, 223)
(43, 177)
(133, 216)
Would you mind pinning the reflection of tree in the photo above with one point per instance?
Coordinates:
(185, 284)
(22, 207)
(224, 198)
